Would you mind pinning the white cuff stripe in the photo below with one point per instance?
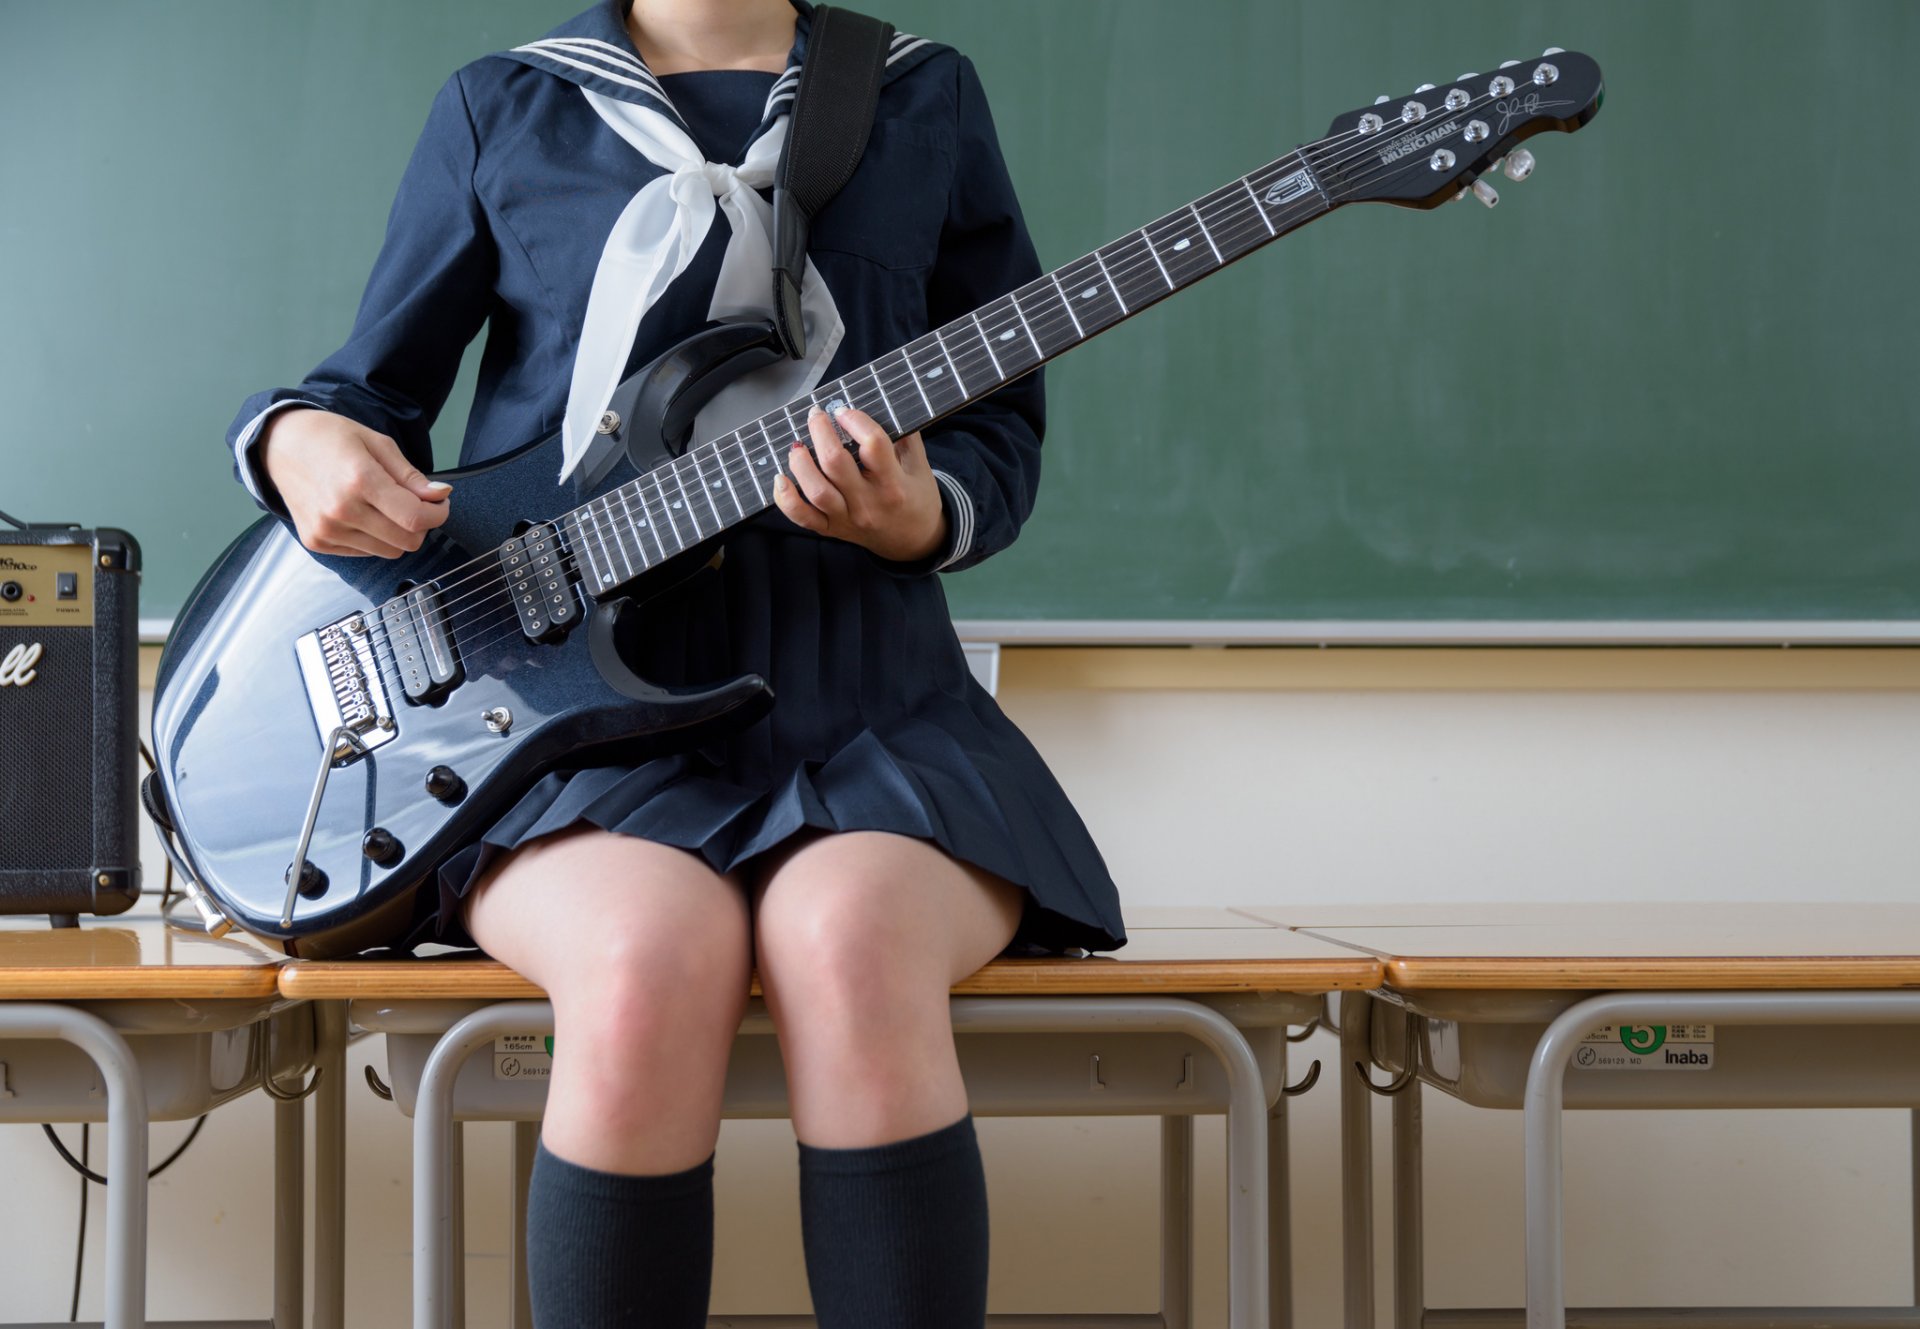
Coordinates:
(900, 51)
(963, 516)
(250, 433)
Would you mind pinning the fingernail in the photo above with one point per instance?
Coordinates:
(438, 484)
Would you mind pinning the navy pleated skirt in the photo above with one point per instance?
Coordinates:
(878, 725)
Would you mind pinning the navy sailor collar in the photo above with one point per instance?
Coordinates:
(593, 50)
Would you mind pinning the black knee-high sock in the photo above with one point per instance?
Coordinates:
(606, 1251)
(896, 1235)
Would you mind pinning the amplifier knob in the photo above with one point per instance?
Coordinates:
(382, 846)
(444, 785)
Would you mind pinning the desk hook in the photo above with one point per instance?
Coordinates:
(1306, 1031)
(1312, 1078)
(1400, 1083)
(273, 1091)
(373, 1082)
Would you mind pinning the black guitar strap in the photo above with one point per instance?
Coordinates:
(832, 116)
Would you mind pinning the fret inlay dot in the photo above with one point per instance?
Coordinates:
(1182, 243)
(934, 373)
(1090, 292)
(1007, 335)
(676, 502)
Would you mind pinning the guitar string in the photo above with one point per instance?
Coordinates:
(1238, 228)
(906, 380)
(476, 621)
(1314, 154)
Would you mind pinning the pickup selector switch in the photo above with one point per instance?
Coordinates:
(444, 785)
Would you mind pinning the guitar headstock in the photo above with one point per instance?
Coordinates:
(1432, 144)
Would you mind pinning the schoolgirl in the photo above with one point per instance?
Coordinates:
(886, 830)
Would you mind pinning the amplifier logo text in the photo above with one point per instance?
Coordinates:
(17, 666)
(15, 565)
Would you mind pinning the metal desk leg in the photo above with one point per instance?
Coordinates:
(126, 1144)
(289, 1212)
(457, 1224)
(526, 1135)
(330, 1166)
(1356, 1159)
(1409, 1237)
(1246, 1122)
(1176, 1221)
(1546, 1093)
(1279, 1211)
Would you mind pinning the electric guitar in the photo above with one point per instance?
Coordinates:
(328, 731)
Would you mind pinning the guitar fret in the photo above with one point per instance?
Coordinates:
(1025, 326)
(634, 524)
(680, 541)
(732, 493)
(605, 514)
(1258, 210)
(987, 342)
(649, 519)
(740, 442)
(1000, 323)
(1188, 254)
(1118, 298)
(893, 416)
(1156, 261)
(579, 547)
(1194, 208)
(918, 385)
(1054, 277)
(1136, 271)
(958, 379)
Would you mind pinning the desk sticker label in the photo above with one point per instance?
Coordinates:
(1646, 1047)
(523, 1057)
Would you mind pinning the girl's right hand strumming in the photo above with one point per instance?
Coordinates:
(348, 489)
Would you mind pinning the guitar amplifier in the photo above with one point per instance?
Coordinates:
(69, 746)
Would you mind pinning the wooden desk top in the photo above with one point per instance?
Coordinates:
(1701, 946)
(1168, 951)
(128, 957)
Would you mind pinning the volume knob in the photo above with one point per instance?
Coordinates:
(381, 846)
(444, 785)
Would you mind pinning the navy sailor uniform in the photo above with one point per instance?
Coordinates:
(500, 220)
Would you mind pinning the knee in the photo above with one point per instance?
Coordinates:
(640, 982)
(843, 948)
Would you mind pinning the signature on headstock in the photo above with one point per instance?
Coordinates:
(1524, 106)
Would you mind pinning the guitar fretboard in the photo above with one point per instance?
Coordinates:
(722, 482)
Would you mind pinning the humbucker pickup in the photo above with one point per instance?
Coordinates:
(537, 581)
(423, 645)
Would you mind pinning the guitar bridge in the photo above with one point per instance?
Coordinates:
(344, 687)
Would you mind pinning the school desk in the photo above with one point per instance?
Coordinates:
(128, 1021)
(1190, 1017)
(1546, 1007)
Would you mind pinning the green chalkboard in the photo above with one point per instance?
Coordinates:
(1670, 377)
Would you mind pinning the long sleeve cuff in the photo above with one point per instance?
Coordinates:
(957, 504)
(246, 458)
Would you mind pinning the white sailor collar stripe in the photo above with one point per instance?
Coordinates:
(594, 51)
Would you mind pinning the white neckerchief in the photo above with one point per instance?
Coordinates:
(651, 244)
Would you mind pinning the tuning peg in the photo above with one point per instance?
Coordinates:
(1518, 165)
(1464, 77)
(1554, 50)
(1424, 87)
(1486, 193)
(1508, 64)
(1382, 100)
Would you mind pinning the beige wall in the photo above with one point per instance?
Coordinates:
(1221, 777)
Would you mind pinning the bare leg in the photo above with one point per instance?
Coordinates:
(645, 952)
(859, 938)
